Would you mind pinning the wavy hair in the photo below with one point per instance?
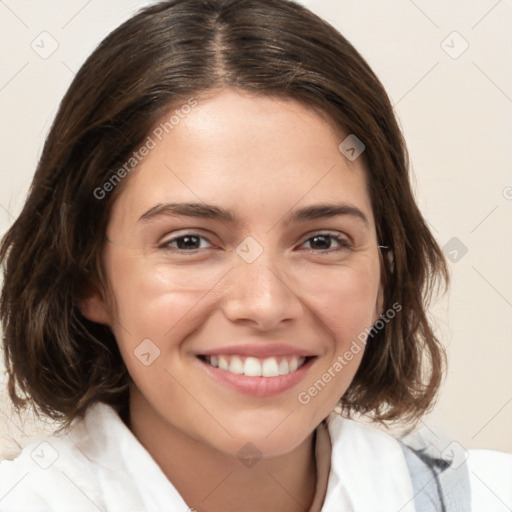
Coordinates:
(61, 363)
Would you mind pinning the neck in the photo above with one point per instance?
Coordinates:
(210, 480)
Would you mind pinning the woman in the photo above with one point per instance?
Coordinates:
(219, 249)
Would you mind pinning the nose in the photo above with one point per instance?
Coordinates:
(261, 293)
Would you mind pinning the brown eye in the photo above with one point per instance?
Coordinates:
(188, 242)
(323, 242)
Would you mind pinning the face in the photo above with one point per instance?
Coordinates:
(243, 263)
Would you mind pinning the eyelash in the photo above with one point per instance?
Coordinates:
(344, 244)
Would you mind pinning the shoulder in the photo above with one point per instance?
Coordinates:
(444, 472)
(26, 481)
(60, 468)
(97, 464)
(490, 473)
(440, 478)
(435, 467)
(439, 471)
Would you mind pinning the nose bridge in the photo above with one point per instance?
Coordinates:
(259, 289)
(262, 275)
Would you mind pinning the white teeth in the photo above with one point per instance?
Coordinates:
(284, 367)
(236, 365)
(254, 367)
(223, 363)
(269, 368)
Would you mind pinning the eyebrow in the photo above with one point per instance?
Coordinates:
(207, 211)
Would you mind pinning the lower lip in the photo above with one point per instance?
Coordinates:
(258, 386)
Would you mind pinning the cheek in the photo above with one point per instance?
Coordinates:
(151, 300)
(156, 309)
(345, 307)
(346, 300)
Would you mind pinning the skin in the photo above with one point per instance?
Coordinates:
(261, 158)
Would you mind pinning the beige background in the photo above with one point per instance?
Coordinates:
(456, 112)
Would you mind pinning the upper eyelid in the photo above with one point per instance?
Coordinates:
(190, 232)
(332, 232)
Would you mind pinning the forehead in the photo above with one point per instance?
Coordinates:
(247, 153)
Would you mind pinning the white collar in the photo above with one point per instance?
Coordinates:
(368, 470)
(100, 462)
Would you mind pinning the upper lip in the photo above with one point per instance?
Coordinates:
(259, 350)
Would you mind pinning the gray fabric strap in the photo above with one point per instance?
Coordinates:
(440, 482)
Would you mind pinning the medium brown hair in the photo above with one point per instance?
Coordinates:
(62, 363)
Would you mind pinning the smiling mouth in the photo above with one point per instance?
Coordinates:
(256, 367)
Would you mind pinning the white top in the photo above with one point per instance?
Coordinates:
(100, 465)
(490, 474)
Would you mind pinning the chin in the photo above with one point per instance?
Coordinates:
(269, 437)
(243, 447)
